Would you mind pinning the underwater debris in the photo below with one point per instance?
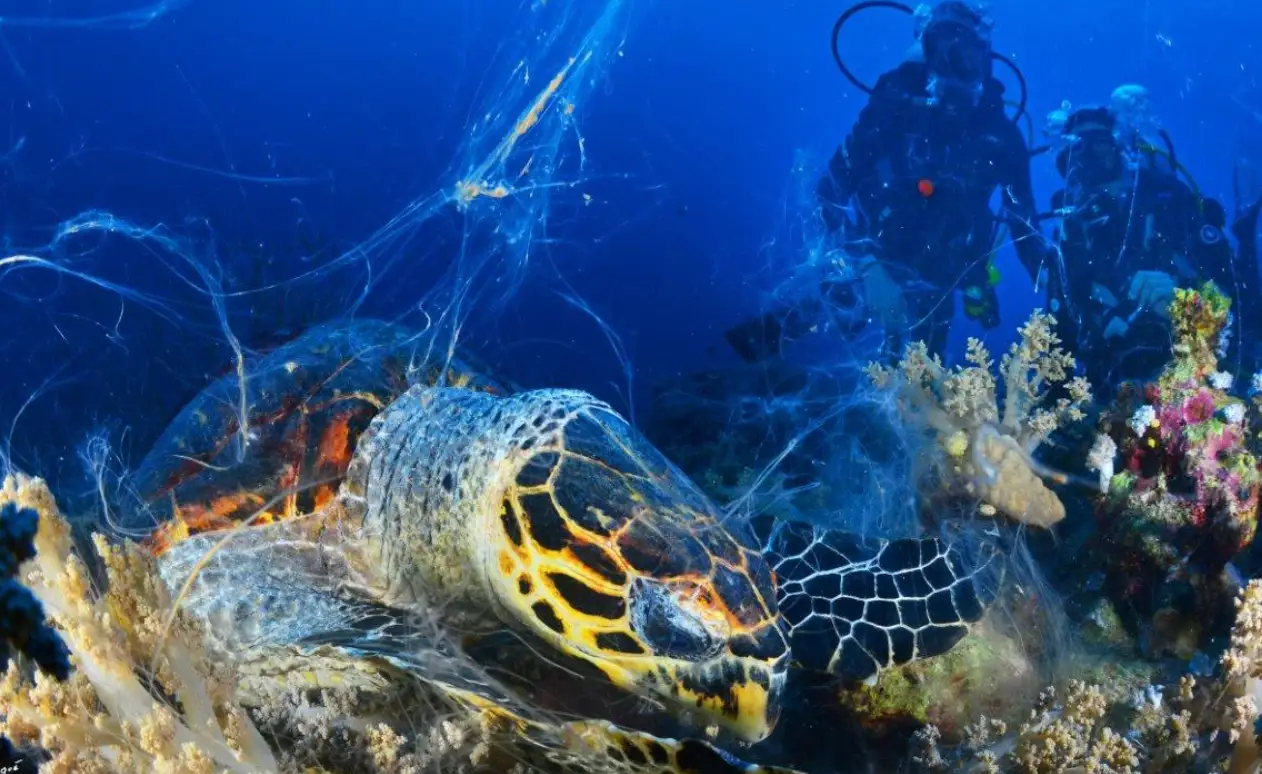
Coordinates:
(985, 452)
(149, 693)
(1185, 727)
(725, 430)
(194, 714)
(1184, 500)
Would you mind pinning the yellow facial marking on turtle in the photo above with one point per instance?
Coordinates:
(617, 567)
(546, 511)
(638, 751)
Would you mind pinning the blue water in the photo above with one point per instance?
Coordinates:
(273, 137)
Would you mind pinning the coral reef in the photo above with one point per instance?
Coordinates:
(1184, 500)
(130, 685)
(1254, 435)
(149, 694)
(21, 615)
(984, 452)
(22, 619)
(107, 717)
(1186, 726)
(982, 675)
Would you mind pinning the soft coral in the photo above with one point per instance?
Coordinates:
(22, 620)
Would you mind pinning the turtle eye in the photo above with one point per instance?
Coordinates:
(670, 622)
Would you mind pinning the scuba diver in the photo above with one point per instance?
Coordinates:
(906, 198)
(1132, 231)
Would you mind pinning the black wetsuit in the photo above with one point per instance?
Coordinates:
(920, 178)
(1148, 221)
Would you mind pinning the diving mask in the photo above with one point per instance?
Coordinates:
(954, 50)
(955, 40)
(1093, 155)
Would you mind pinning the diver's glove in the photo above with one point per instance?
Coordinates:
(883, 297)
(1154, 291)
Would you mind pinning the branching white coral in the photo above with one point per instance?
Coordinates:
(1221, 380)
(1234, 413)
(988, 453)
(1185, 728)
(1243, 659)
(1101, 459)
(1142, 419)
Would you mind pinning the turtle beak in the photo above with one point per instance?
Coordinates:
(728, 672)
(741, 696)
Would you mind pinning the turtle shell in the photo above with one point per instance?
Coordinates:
(307, 403)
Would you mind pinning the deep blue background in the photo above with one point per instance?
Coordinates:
(699, 140)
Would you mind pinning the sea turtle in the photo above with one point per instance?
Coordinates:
(307, 402)
(545, 512)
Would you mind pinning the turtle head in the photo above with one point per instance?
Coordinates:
(702, 655)
(612, 555)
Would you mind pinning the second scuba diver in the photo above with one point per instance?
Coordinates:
(906, 198)
(1132, 231)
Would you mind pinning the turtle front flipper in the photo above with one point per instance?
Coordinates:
(285, 604)
(543, 743)
(639, 751)
(280, 584)
(855, 606)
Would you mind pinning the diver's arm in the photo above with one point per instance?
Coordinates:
(834, 191)
(1020, 208)
(1245, 228)
(1206, 246)
(761, 337)
(856, 160)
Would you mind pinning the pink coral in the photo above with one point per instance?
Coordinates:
(1198, 407)
(1187, 500)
